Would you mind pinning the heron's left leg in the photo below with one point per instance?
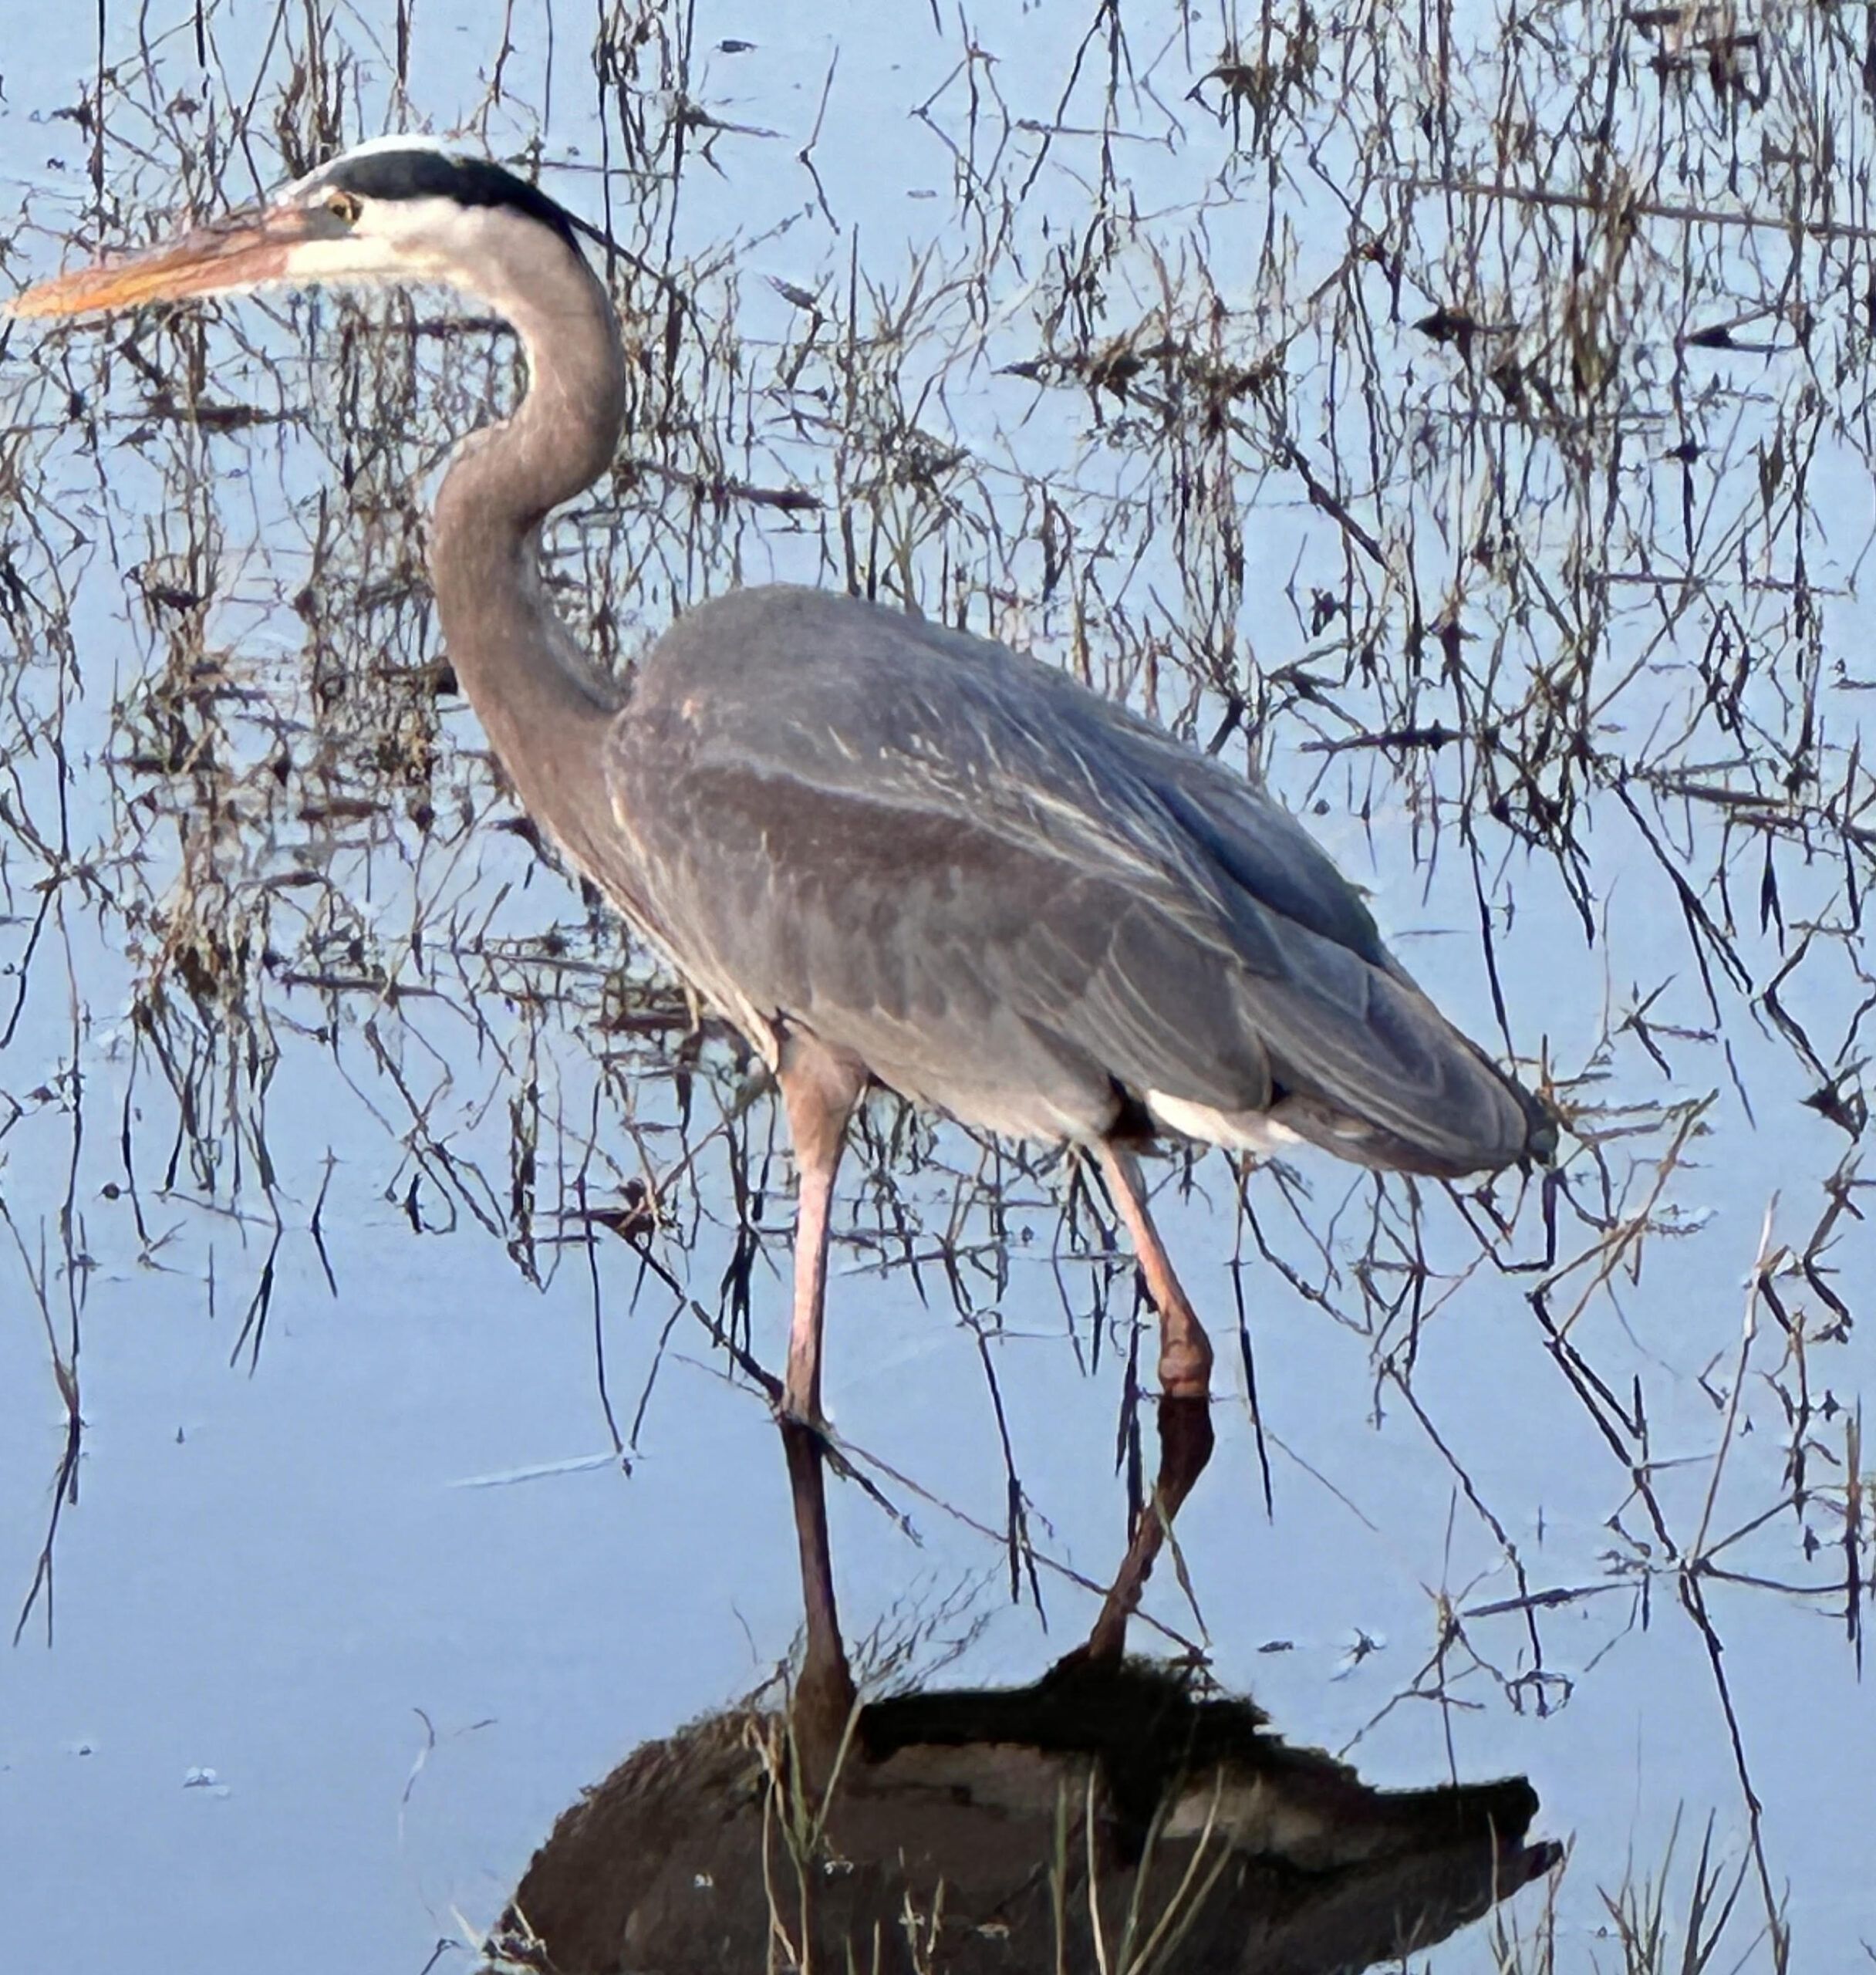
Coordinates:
(1185, 1400)
(820, 1089)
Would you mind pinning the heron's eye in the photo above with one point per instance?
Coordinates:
(345, 207)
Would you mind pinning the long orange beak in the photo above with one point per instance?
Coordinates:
(237, 253)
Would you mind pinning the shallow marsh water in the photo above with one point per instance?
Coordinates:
(1483, 454)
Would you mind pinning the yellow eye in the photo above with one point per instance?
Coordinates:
(345, 207)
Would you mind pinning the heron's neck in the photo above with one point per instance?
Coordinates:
(544, 707)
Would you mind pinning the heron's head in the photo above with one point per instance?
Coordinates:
(395, 209)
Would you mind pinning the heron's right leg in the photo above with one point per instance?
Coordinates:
(819, 1089)
(1185, 1400)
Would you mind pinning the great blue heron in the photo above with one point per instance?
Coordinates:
(888, 852)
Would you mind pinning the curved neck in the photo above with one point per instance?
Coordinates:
(545, 707)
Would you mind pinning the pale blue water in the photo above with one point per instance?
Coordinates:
(289, 1576)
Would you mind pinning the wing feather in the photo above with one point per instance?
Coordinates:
(1011, 897)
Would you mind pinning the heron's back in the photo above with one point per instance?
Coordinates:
(1010, 897)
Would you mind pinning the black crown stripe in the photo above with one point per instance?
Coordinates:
(421, 173)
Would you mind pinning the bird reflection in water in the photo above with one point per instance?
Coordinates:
(1114, 1816)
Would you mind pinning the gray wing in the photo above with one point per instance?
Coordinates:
(1012, 898)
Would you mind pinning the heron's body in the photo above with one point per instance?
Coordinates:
(886, 850)
(1009, 898)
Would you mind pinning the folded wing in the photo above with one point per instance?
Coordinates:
(1011, 898)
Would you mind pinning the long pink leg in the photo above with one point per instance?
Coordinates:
(1185, 1401)
(820, 1090)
